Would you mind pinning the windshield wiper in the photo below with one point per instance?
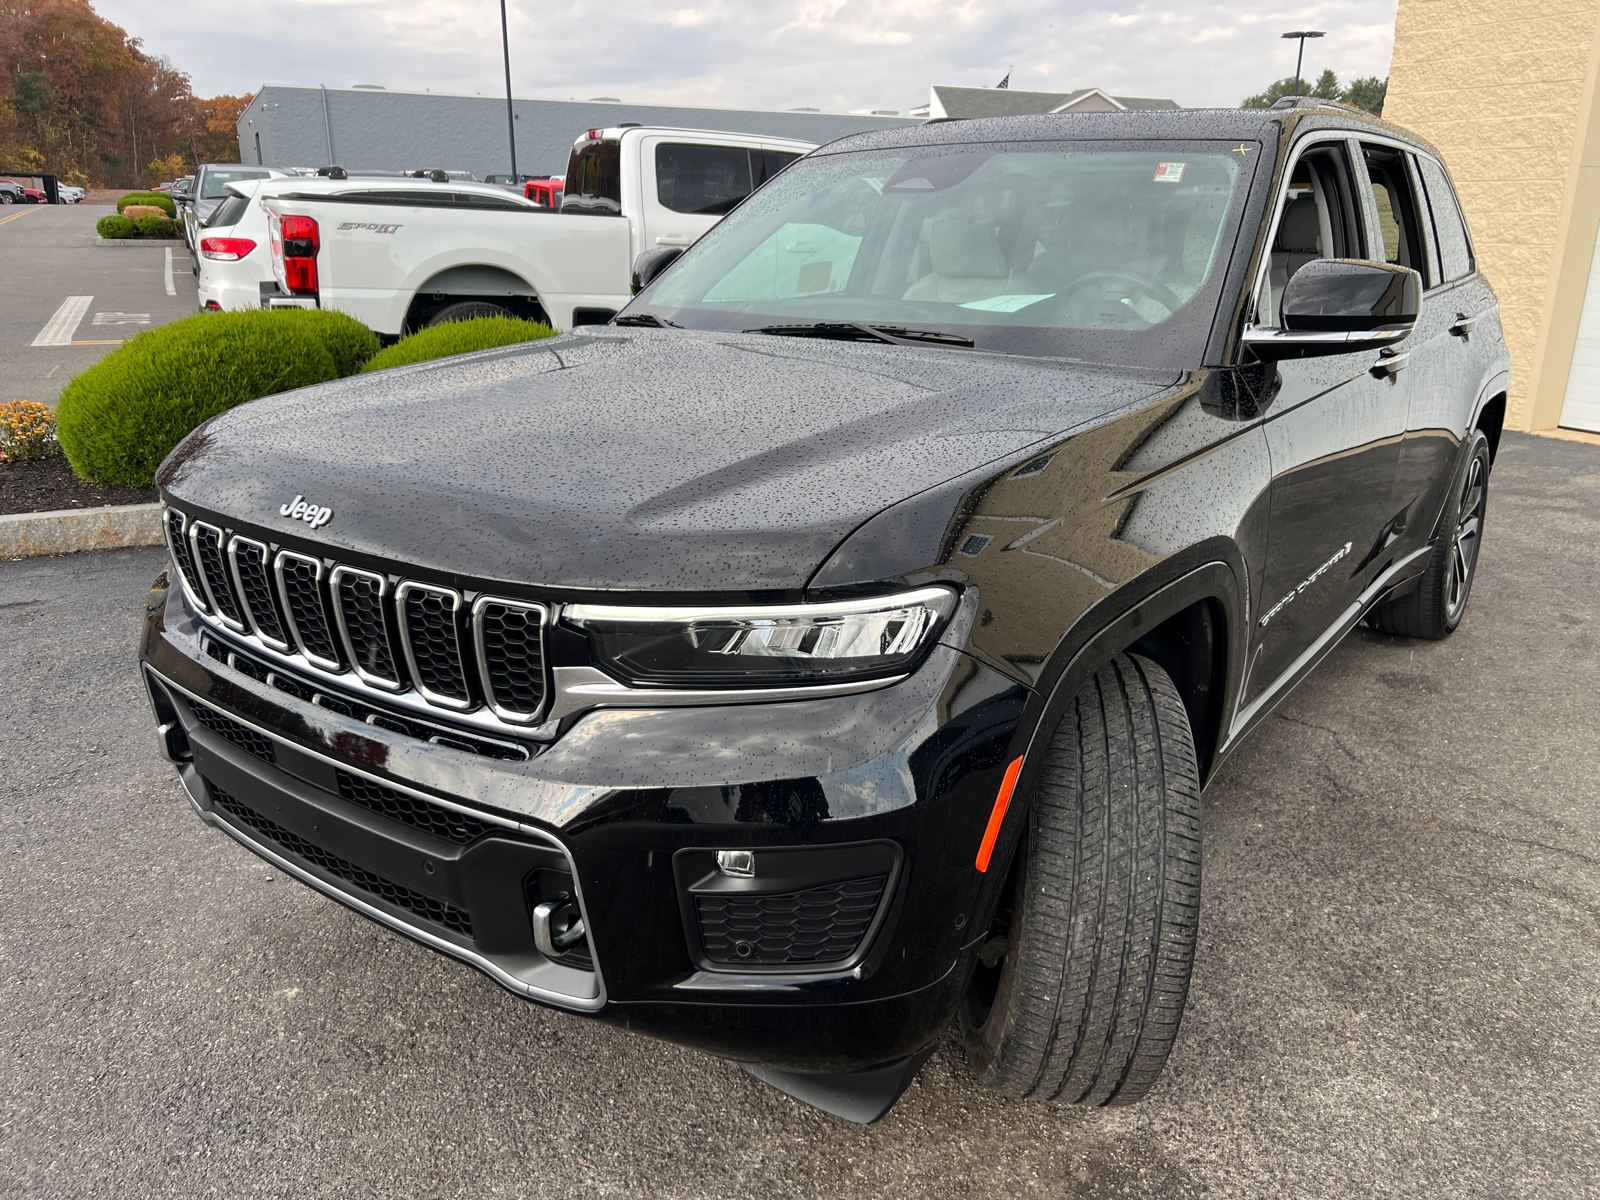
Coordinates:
(856, 331)
(645, 319)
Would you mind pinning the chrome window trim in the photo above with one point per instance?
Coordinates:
(234, 543)
(333, 668)
(199, 601)
(205, 580)
(500, 975)
(400, 594)
(396, 684)
(510, 716)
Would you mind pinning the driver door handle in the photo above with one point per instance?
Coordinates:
(1464, 324)
(673, 239)
(1390, 363)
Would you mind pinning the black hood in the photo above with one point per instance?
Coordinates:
(657, 460)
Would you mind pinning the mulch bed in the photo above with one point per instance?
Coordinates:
(47, 484)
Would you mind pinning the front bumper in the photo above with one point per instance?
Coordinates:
(459, 849)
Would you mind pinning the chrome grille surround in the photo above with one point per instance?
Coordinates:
(360, 607)
(176, 527)
(305, 608)
(430, 635)
(206, 544)
(258, 597)
(494, 665)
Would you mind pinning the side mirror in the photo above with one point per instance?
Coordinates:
(1341, 306)
(651, 263)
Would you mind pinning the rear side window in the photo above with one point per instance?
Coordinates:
(706, 180)
(594, 180)
(767, 163)
(228, 212)
(1455, 252)
(1403, 243)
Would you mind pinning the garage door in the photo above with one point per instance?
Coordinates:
(1581, 409)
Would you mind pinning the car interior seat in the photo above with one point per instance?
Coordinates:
(967, 264)
(1299, 241)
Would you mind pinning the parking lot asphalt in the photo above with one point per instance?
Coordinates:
(1396, 992)
(52, 252)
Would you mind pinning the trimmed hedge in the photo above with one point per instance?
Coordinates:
(349, 341)
(151, 225)
(115, 227)
(458, 337)
(164, 203)
(122, 416)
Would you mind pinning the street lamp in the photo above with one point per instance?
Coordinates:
(511, 128)
(1301, 34)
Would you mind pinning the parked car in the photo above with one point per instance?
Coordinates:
(211, 189)
(163, 188)
(545, 192)
(235, 263)
(11, 193)
(835, 646)
(512, 182)
(70, 194)
(397, 264)
(35, 195)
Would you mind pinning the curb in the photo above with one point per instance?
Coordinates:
(25, 535)
(100, 241)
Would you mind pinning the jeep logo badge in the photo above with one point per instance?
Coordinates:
(299, 510)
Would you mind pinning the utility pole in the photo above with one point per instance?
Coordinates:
(1302, 35)
(511, 117)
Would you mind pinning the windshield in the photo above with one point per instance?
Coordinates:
(1101, 250)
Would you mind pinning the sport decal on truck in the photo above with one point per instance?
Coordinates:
(368, 225)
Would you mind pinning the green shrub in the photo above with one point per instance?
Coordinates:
(164, 203)
(122, 416)
(349, 341)
(153, 226)
(458, 337)
(115, 227)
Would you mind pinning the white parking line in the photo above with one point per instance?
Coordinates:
(59, 329)
(171, 291)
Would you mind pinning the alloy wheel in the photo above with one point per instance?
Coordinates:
(1464, 547)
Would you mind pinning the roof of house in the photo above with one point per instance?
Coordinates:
(1014, 102)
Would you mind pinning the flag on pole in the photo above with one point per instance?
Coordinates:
(1006, 82)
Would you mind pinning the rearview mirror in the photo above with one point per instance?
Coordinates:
(1341, 306)
(651, 263)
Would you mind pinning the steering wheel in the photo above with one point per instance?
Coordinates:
(1156, 290)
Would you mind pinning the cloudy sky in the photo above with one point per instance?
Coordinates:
(829, 54)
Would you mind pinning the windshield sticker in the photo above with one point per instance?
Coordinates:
(1169, 172)
(1005, 303)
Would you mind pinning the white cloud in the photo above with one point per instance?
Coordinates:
(829, 54)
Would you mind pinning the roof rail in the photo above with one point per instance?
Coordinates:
(1288, 102)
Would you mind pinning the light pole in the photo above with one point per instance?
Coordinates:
(511, 117)
(1301, 34)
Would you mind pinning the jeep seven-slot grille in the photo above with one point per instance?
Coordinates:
(176, 526)
(308, 611)
(381, 634)
(397, 894)
(256, 593)
(208, 548)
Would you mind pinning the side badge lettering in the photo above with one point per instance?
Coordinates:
(313, 515)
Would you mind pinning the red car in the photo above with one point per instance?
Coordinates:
(35, 195)
(546, 193)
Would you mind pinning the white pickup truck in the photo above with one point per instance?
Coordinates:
(398, 258)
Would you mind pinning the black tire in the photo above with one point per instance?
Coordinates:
(467, 310)
(1436, 605)
(7, 198)
(1098, 938)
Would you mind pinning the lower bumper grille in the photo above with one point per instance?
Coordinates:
(396, 894)
(228, 729)
(397, 806)
(818, 925)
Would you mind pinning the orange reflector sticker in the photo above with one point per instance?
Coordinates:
(998, 816)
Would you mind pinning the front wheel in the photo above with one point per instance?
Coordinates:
(1083, 978)
(1434, 608)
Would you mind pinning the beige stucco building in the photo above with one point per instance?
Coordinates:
(1506, 89)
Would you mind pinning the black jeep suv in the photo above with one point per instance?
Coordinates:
(838, 643)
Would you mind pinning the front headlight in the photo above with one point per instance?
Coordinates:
(758, 646)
